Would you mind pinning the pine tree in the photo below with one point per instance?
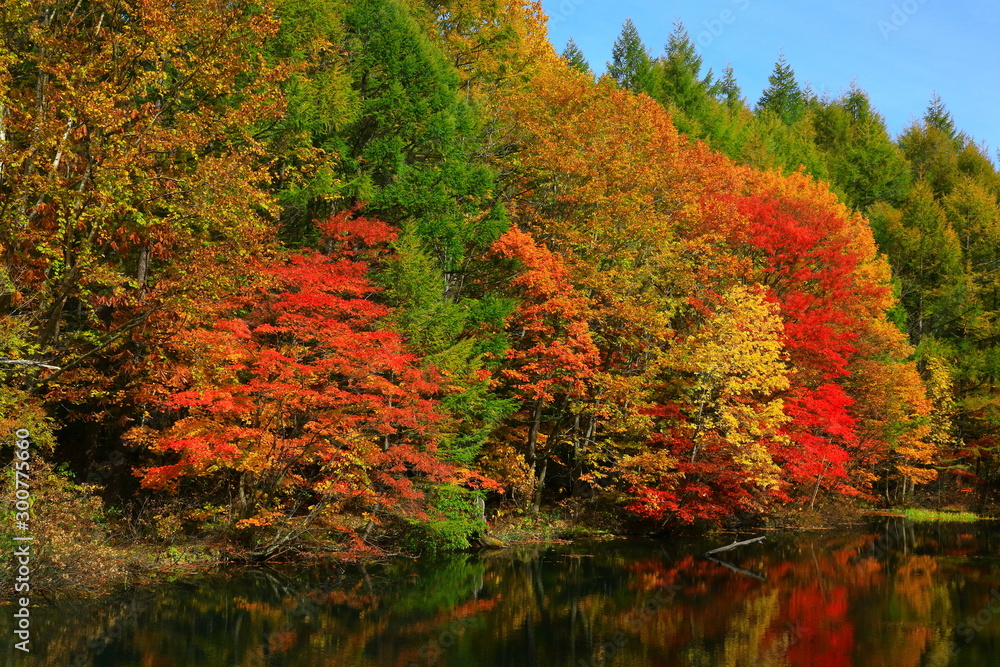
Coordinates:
(932, 152)
(699, 106)
(679, 71)
(864, 163)
(938, 117)
(574, 57)
(783, 96)
(857, 104)
(631, 66)
(728, 90)
(926, 256)
(319, 105)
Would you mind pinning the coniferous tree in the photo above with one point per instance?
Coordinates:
(938, 116)
(783, 96)
(728, 90)
(679, 74)
(575, 58)
(933, 155)
(700, 107)
(865, 165)
(630, 65)
(927, 259)
(318, 107)
(409, 153)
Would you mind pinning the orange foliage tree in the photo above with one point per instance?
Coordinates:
(552, 355)
(602, 178)
(652, 230)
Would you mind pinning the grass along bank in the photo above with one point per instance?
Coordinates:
(920, 514)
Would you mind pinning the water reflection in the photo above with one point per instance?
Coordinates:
(896, 594)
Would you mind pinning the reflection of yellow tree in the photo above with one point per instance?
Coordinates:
(745, 642)
(914, 583)
(905, 640)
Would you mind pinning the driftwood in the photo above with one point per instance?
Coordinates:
(734, 545)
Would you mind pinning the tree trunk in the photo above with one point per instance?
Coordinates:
(816, 490)
(539, 486)
(536, 423)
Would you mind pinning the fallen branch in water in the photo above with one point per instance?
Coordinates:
(734, 545)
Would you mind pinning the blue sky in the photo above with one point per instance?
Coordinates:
(899, 51)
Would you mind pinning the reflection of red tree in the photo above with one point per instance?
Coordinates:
(652, 573)
(822, 634)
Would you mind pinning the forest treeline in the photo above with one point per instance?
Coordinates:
(331, 274)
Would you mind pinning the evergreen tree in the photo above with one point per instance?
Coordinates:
(783, 95)
(771, 143)
(410, 153)
(927, 258)
(858, 105)
(631, 66)
(318, 106)
(728, 90)
(575, 58)
(938, 117)
(932, 154)
(864, 163)
(678, 74)
(700, 107)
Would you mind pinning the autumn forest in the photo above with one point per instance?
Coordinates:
(357, 276)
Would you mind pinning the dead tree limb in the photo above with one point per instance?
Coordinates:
(25, 362)
(734, 545)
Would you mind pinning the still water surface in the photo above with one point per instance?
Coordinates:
(893, 593)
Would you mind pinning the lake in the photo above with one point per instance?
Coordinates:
(888, 593)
